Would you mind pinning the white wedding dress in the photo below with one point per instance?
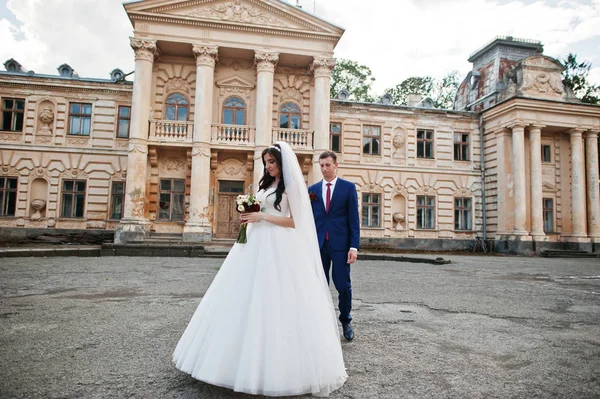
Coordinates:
(266, 324)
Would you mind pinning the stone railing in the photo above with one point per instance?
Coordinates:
(233, 134)
(296, 138)
(171, 130)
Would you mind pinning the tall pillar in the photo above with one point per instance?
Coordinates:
(503, 165)
(321, 68)
(197, 228)
(593, 188)
(265, 70)
(578, 197)
(134, 225)
(537, 209)
(518, 169)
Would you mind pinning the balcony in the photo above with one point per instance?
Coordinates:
(233, 134)
(296, 138)
(171, 131)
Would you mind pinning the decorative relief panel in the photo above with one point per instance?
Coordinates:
(235, 11)
(177, 84)
(46, 117)
(174, 163)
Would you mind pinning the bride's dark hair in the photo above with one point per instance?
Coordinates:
(267, 180)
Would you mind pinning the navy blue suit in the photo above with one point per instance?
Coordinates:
(342, 226)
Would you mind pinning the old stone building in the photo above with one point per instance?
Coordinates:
(218, 81)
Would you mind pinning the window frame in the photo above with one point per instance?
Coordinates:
(334, 134)
(464, 153)
(370, 136)
(424, 141)
(3, 196)
(120, 118)
(114, 195)
(234, 111)
(550, 211)
(425, 207)
(73, 193)
(463, 209)
(171, 193)
(549, 153)
(14, 110)
(290, 115)
(81, 116)
(369, 206)
(177, 107)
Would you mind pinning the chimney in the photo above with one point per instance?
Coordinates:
(413, 99)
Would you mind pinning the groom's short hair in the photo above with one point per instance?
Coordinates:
(329, 154)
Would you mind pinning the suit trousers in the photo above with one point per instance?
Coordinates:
(341, 278)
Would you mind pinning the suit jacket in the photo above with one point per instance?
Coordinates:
(341, 222)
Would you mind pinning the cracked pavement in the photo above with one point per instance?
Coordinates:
(480, 327)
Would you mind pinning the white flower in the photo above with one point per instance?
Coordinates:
(241, 208)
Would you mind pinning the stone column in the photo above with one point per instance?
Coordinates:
(518, 169)
(502, 171)
(578, 197)
(593, 192)
(134, 225)
(321, 68)
(197, 228)
(537, 209)
(265, 70)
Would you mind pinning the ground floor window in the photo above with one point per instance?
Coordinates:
(8, 196)
(462, 214)
(371, 210)
(172, 194)
(548, 215)
(73, 198)
(117, 199)
(425, 212)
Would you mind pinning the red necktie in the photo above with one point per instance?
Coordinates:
(327, 203)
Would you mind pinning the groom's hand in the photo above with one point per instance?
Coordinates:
(352, 255)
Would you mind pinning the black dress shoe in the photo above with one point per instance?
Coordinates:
(348, 331)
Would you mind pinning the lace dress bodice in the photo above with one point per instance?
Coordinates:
(267, 201)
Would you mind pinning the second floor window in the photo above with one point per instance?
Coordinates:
(461, 147)
(371, 139)
(8, 196)
(172, 194)
(462, 214)
(124, 122)
(73, 198)
(371, 210)
(177, 108)
(546, 153)
(425, 212)
(335, 137)
(117, 199)
(80, 119)
(13, 110)
(424, 143)
(234, 111)
(289, 116)
(548, 206)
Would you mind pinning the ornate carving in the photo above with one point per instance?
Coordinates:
(426, 190)
(290, 93)
(232, 167)
(122, 143)
(400, 189)
(372, 188)
(372, 159)
(543, 83)
(398, 218)
(234, 11)
(46, 117)
(74, 174)
(39, 172)
(43, 139)
(78, 141)
(137, 202)
(144, 49)
(206, 55)
(265, 61)
(463, 192)
(174, 163)
(398, 141)
(10, 137)
(37, 205)
(137, 148)
(322, 67)
(9, 170)
(177, 84)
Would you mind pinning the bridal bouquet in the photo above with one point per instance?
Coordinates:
(246, 203)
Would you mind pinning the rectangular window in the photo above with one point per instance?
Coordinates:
(335, 137)
(371, 210)
(425, 212)
(172, 194)
(546, 153)
(371, 139)
(73, 198)
(462, 214)
(13, 111)
(117, 199)
(548, 215)
(123, 122)
(80, 119)
(424, 143)
(8, 196)
(461, 147)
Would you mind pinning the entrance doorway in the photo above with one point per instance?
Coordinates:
(228, 219)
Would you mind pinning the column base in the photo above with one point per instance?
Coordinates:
(519, 236)
(132, 230)
(539, 237)
(575, 238)
(197, 231)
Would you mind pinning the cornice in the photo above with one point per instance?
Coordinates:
(522, 103)
(59, 87)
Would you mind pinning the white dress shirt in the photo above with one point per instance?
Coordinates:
(331, 188)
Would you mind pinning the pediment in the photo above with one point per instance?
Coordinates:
(271, 14)
(542, 62)
(235, 81)
(549, 188)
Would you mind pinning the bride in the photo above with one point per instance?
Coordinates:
(266, 324)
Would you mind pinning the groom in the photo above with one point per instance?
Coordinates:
(335, 209)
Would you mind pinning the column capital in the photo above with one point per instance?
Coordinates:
(516, 125)
(322, 66)
(265, 61)
(536, 126)
(576, 132)
(205, 54)
(145, 49)
(592, 134)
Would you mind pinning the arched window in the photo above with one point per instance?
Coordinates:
(289, 116)
(176, 108)
(234, 111)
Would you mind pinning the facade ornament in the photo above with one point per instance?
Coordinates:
(234, 11)
(322, 67)
(372, 188)
(137, 201)
(398, 141)
(38, 205)
(177, 84)
(144, 49)
(265, 61)
(174, 163)
(398, 219)
(206, 55)
(290, 94)
(46, 117)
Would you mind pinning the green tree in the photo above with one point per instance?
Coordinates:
(445, 90)
(357, 79)
(575, 77)
(441, 91)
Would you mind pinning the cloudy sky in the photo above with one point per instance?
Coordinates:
(396, 38)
